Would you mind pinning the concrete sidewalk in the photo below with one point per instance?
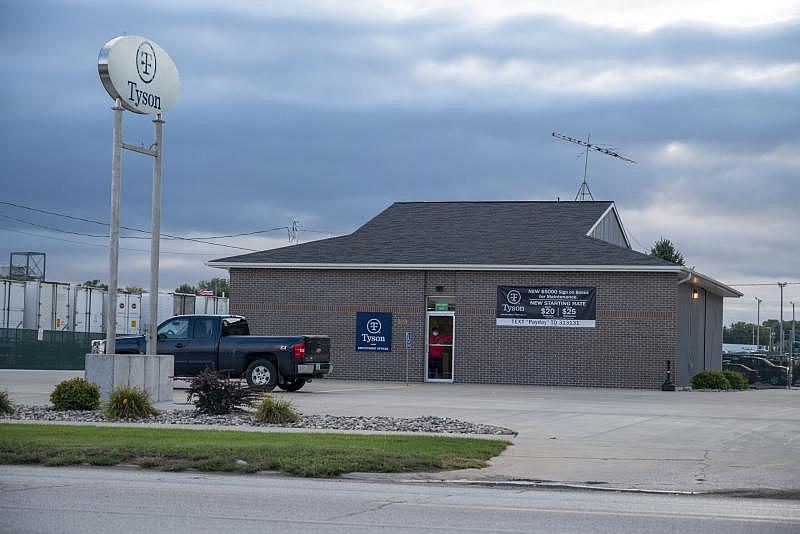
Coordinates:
(680, 441)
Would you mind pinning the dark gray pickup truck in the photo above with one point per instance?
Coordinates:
(224, 342)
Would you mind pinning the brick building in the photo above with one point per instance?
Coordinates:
(546, 293)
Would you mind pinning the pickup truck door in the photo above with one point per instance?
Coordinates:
(203, 345)
(174, 337)
(192, 341)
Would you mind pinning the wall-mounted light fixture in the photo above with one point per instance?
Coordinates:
(695, 294)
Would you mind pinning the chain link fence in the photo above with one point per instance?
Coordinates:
(58, 350)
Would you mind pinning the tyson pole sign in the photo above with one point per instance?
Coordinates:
(139, 73)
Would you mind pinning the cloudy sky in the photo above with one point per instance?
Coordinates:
(326, 114)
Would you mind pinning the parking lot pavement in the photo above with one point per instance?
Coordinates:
(688, 441)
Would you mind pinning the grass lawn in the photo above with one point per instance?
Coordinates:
(306, 454)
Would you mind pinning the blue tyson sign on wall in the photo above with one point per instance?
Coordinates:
(374, 331)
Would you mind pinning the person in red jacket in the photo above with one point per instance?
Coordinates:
(436, 352)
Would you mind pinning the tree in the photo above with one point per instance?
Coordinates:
(665, 250)
(739, 332)
(219, 285)
(20, 277)
(186, 288)
(133, 289)
(95, 283)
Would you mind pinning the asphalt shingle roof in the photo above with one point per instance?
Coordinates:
(466, 233)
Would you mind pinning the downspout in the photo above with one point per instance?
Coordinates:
(689, 275)
(705, 329)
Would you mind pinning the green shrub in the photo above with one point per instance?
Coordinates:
(213, 392)
(736, 379)
(710, 380)
(275, 411)
(75, 394)
(5, 403)
(126, 402)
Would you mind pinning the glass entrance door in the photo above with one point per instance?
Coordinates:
(439, 345)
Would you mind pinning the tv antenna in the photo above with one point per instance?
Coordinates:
(584, 190)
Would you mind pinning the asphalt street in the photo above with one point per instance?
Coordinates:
(36, 499)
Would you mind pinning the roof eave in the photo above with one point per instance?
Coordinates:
(695, 278)
(445, 267)
(702, 280)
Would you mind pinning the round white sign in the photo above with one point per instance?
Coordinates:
(140, 73)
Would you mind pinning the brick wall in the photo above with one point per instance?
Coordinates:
(636, 328)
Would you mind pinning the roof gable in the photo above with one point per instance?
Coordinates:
(609, 228)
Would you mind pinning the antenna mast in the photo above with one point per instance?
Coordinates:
(584, 190)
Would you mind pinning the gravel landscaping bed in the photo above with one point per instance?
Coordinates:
(442, 425)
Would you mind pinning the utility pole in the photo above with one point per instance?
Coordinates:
(781, 344)
(758, 322)
(771, 339)
(791, 346)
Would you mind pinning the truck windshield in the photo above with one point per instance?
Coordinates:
(235, 326)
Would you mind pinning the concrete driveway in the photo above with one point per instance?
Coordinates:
(689, 441)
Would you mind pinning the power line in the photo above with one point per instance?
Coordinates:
(57, 214)
(644, 248)
(83, 219)
(102, 245)
(60, 230)
(201, 239)
(318, 231)
(764, 284)
(245, 233)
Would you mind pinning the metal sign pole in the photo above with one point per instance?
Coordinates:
(406, 365)
(113, 248)
(408, 346)
(155, 243)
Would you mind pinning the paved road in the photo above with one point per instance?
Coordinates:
(690, 441)
(93, 500)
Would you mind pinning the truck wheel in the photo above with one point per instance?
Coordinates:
(261, 374)
(293, 385)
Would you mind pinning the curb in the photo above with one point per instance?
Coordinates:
(546, 485)
(254, 428)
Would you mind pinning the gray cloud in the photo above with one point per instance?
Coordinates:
(329, 120)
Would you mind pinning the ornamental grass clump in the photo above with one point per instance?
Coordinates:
(5, 403)
(127, 402)
(275, 411)
(710, 380)
(736, 379)
(75, 394)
